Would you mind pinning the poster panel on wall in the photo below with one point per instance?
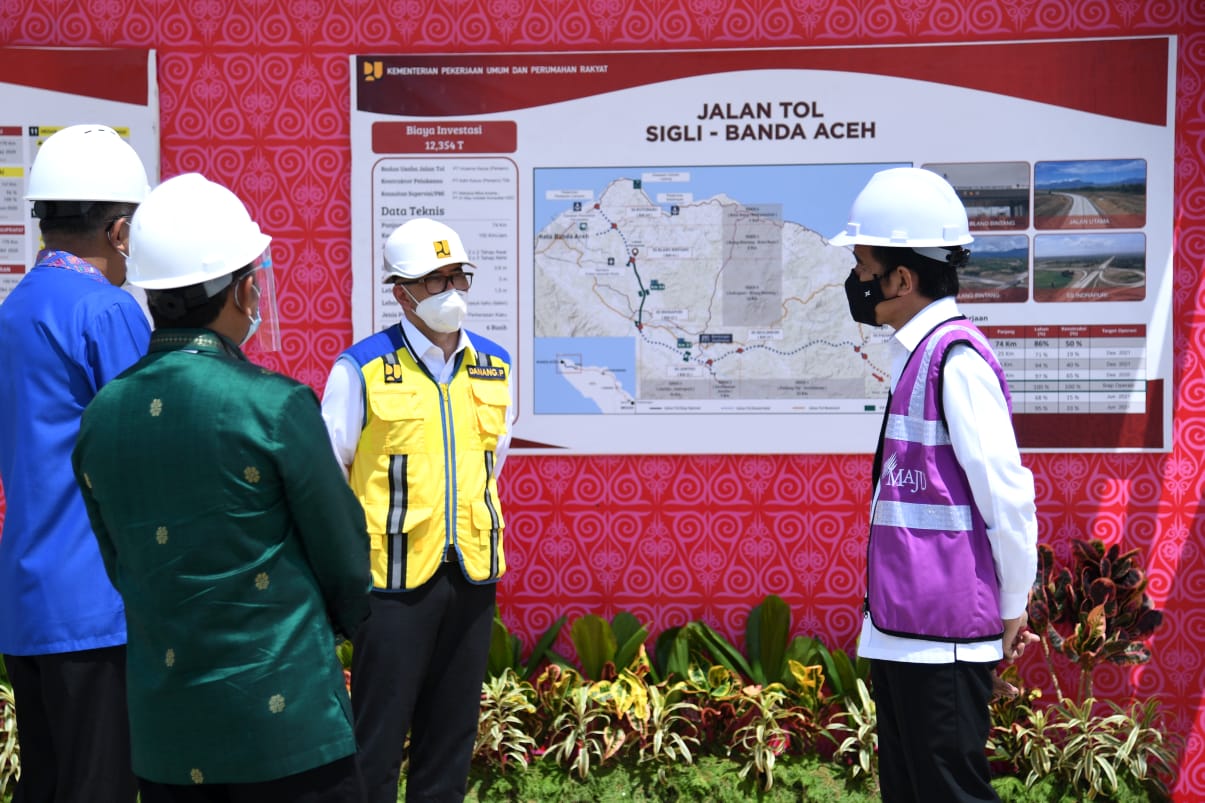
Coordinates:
(650, 230)
(45, 89)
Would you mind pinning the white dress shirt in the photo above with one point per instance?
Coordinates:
(343, 398)
(981, 433)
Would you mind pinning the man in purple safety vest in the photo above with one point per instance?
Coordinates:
(952, 552)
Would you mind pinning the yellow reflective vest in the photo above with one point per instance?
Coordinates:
(424, 465)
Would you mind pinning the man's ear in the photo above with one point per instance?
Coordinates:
(401, 296)
(119, 234)
(907, 281)
(243, 293)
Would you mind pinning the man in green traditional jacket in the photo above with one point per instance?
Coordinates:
(227, 526)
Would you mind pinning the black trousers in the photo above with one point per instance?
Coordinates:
(417, 668)
(336, 782)
(73, 727)
(933, 727)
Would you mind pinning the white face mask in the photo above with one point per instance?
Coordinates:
(443, 312)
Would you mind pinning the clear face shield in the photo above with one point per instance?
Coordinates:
(266, 335)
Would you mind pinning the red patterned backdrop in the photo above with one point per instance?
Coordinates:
(254, 93)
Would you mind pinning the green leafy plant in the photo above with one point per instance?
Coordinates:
(857, 729)
(506, 650)
(1010, 718)
(344, 651)
(671, 654)
(10, 754)
(709, 648)
(721, 704)
(506, 706)
(1084, 750)
(770, 645)
(1037, 740)
(843, 675)
(583, 734)
(1090, 755)
(1093, 611)
(768, 732)
(666, 734)
(552, 686)
(771, 651)
(606, 648)
(631, 730)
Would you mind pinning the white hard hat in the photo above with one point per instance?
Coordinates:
(87, 163)
(420, 246)
(190, 230)
(906, 207)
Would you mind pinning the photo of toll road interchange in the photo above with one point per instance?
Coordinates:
(1090, 194)
(1089, 267)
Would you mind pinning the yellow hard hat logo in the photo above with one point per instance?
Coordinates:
(442, 250)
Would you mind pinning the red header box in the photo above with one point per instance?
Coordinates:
(1120, 330)
(445, 137)
(11, 270)
(11, 130)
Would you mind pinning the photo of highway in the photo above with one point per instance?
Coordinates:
(1090, 194)
(995, 194)
(1089, 267)
(998, 271)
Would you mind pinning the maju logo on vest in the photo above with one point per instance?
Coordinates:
(913, 479)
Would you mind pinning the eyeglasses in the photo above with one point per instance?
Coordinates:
(126, 216)
(437, 282)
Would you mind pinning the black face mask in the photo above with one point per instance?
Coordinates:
(863, 297)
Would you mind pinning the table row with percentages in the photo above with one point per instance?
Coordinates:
(1073, 369)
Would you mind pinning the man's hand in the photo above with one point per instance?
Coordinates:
(1016, 637)
(1002, 689)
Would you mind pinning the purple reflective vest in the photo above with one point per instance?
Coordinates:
(930, 572)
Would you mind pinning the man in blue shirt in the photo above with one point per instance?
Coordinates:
(65, 330)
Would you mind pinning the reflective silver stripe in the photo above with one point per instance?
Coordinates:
(395, 519)
(950, 518)
(489, 504)
(977, 336)
(484, 360)
(916, 394)
(397, 562)
(398, 493)
(914, 430)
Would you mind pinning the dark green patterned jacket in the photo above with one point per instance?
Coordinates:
(239, 550)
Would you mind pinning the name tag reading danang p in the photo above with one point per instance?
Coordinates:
(486, 372)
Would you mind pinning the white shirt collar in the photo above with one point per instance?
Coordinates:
(431, 354)
(910, 334)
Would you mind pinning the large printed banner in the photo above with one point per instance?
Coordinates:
(650, 230)
(45, 89)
